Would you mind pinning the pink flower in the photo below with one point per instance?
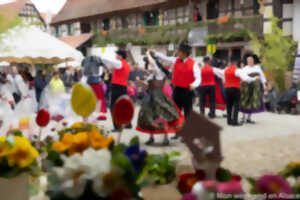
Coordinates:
(209, 184)
(189, 196)
(231, 187)
(271, 185)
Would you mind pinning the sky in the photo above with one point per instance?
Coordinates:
(44, 6)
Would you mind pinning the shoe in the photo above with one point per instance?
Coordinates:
(128, 126)
(212, 116)
(102, 118)
(150, 141)
(114, 130)
(236, 124)
(166, 143)
(175, 137)
(249, 121)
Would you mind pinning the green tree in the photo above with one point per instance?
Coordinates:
(276, 52)
(7, 23)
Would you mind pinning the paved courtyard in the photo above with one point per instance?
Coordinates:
(251, 150)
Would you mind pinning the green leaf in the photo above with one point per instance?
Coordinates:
(135, 141)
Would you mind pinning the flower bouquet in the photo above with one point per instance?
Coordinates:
(85, 164)
(18, 158)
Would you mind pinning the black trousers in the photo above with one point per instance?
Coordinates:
(116, 92)
(209, 91)
(17, 97)
(233, 96)
(183, 97)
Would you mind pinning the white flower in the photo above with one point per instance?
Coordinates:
(201, 192)
(78, 169)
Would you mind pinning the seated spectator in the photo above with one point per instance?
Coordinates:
(270, 97)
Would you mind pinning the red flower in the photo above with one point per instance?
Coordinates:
(189, 196)
(187, 181)
(121, 194)
(273, 185)
(123, 111)
(42, 118)
(231, 187)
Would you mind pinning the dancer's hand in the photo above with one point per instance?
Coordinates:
(257, 77)
(192, 88)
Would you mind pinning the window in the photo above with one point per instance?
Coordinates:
(71, 29)
(85, 28)
(213, 9)
(151, 18)
(106, 24)
(201, 52)
(124, 22)
(60, 31)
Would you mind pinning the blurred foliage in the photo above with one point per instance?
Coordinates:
(7, 23)
(229, 37)
(277, 53)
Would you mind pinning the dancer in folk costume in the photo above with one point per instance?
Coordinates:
(159, 113)
(185, 78)
(93, 70)
(121, 70)
(233, 76)
(208, 88)
(252, 93)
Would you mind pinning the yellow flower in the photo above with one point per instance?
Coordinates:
(4, 147)
(64, 144)
(80, 143)
(295, 164)
(99, 141)
(22, 154)
(77, 125)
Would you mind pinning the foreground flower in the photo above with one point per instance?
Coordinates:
(201, 191)
(99, 141)
(270, 184)
(80, 168)
(189, 196)
(136, 156)
(123, 111)
(80, 143)
(65, 143)
(22, 154)
(121, 194)
(77, 125)
(231, 187)
(187, 181)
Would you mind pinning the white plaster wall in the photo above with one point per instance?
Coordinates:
(296, 21)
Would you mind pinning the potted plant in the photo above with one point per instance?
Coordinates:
(18, 159)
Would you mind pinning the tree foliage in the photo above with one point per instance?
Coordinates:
(277, 53)
(7, 23)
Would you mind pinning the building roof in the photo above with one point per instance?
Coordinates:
(76, 41)
(76, 9)
(12, 9)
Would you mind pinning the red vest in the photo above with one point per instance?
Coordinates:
(120, 76)
(183, 73)
(207, 76)
(232, 81)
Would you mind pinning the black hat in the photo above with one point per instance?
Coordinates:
(186, 48)
(122, 53)
(206, 59)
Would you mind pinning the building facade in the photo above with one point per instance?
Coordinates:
(26, 10)
(166, 23)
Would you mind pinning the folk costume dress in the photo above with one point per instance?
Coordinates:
(159, 113)
(252, 93)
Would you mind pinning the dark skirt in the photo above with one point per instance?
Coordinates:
(252, 98)
(159, 114)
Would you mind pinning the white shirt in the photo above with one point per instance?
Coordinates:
(238, 73)
(110, 62)
(172, 61)
(157, 73)
(18, 85)
(255, 69)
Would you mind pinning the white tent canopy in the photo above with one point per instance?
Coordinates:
(28, 44)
